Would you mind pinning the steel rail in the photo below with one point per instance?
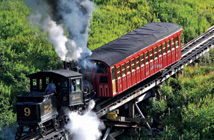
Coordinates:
(210, 30)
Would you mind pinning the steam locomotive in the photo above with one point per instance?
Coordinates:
(115, 67)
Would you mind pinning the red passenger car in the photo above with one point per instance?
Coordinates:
(130, 59)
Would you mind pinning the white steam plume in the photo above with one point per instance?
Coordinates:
(86, 126)
(72, 15)
(76, 16)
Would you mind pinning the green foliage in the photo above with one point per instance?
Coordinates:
(7, 116)
(194, 16)
(113, 18)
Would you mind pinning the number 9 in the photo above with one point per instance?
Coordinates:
(27, 111)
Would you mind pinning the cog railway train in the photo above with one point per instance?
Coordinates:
(116, 67)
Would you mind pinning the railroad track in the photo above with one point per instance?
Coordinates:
(196, 42)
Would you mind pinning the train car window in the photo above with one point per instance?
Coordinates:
(177, 42)
(118, 72)
(123, 70)
(133, 64)
(164, 48)
(147, 57)
(156, 52)
(173, 44)
(160, 50)
(128, 67)
(101, 68)
(168, 46)
(137, 62)
(151, 55)
(142, 59)
(113, 74)
(103, 79)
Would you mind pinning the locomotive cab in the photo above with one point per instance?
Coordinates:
(68, 85)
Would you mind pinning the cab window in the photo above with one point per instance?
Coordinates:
(75, 85)
(34, 84)
(72, 86)
(78, 85)
(47, 81)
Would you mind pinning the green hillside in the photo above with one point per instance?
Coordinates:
(25, 49)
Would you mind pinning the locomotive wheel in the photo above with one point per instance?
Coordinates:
(32, 128)
(64, 137)
(19, 132)
(43, 132)
(56, 124)
(80, 111)
(66, 118)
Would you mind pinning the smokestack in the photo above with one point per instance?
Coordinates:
(72, 65)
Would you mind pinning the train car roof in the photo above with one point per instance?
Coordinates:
(131, 43)
(62, 72)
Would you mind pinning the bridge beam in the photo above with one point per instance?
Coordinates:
(149, 127)
(131, 109)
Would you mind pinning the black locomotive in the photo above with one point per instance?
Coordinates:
(39, 110)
